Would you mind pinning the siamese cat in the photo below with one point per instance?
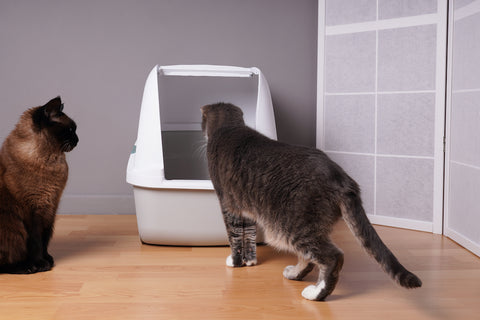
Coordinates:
(33, 174)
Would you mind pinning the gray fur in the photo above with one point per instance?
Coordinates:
(295, 193)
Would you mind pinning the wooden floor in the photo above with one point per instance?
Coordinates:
(104, 272)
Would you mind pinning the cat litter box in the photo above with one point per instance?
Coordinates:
(174, 198)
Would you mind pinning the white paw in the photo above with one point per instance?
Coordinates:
(311, 292)
(251, 262)
(229, 261)
(289, 272)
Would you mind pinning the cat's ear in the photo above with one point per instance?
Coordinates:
(53, 107)
(42, 115)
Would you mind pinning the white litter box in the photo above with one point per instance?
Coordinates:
(174, 198)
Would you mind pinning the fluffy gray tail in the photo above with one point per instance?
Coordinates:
(356, 219)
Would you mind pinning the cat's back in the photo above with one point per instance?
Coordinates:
(28, 168)
(243, 154)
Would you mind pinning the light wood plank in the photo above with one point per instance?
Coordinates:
(104, 272)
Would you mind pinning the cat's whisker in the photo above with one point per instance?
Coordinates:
(200, 150)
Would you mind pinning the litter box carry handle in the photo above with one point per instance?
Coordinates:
(206, 71)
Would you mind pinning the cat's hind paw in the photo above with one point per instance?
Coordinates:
(290, 273)
(297, 272)
(315, 292)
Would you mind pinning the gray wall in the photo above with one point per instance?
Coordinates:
(97, 54)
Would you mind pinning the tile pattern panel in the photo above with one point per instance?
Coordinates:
(465, 124)
(379, 109)
(464, 208)
(350, 62)
(405, 188)
(350, 11)
(351, 123)
(463, 212)
(361, 168)
(406, 58)
(466, 52)
(388, 9)
(406, 124)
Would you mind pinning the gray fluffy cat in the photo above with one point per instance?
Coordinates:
(295, 193)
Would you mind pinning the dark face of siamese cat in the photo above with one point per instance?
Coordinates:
(33, 174)
(296, 194)
(51, 121)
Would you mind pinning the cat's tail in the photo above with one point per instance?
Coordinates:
(356, 219)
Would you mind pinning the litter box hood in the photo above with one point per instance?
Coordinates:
(169, 150)
(174, 198)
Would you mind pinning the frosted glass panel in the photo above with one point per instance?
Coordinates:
(351, 125)
(350, 62)
(388, 9)
(380, 107)
(465, 124)
(405, 188)
(362, 169)
(466, 52)
(457, 4)
(350, 11)
(406, 58)
(463, 128)
(464, 207)
(406, 124)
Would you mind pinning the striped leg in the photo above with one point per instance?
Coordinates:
(234, 226)
(249, 242)
(242, 234)
(330, 261)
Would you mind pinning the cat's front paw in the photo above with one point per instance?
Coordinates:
(29, 267)
(251, 262)
(43, 265)
(49, 259)
(234, 262)
(250, 256)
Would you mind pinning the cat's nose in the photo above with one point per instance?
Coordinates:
(75, 140)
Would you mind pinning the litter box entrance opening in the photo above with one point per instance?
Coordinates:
(180, 100)
(184, 155)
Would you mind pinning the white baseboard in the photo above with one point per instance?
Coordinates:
(401, 223)
(463, 241)
(97, 204)
(125, 204)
